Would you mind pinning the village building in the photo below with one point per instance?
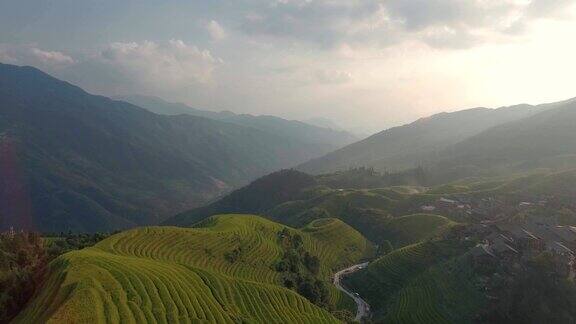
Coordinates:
(566, 234)
(428, 208)
(504, 227)
(527, 241)
(495, 237)
(504, 250)
(481, 255)
(543, 203)
(446, 203)
(480, 214)
(563, 258)
(559, 249)
(477, 229)
(524, 205)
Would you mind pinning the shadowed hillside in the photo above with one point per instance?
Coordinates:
(527, 143)
(325, 139)
(420, 284)
(418, 143)
(255, 198)
(71, 160)
(295, 198)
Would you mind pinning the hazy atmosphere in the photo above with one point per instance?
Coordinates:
(288, 161)
(366, 65)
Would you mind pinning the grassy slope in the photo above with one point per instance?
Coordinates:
(168, 274)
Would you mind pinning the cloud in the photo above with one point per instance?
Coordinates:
(333, 76)
(169, 64)
(549, 8)
(438, 23)
(317, 21)
(172, 69)
(287, 57)
(29, 54)
(215, 30)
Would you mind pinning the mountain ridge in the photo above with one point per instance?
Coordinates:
(90, 163)
(420, 142)
(326, 139)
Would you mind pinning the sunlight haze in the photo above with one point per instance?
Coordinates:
(365, 65)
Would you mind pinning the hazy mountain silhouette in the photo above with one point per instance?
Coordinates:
(325, 138)
(72, 160)
(422, 142)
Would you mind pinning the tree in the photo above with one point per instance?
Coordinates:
(312, 263)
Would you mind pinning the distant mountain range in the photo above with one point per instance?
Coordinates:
(72, 160)
(323, 122)
(470, 140)
(531, 141)
(75, 161)
(327, 139)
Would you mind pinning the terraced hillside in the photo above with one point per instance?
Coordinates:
(368, 211)
(221, 271)
(409, 229)
(296, 199)
(541, 182)
(445, 293)
(420, 283)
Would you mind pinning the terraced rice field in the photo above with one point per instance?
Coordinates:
(439, 295)
(409, 229)
(390, 273)
(184, 275)
(335, 243)
(402, 288)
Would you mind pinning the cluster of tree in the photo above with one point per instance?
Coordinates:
(234, 255)
(363, 177)
(314, 290)
(346, 316)
(300, 269)
(23, 261)
(58, 244)
(24, 257)
(536, 295)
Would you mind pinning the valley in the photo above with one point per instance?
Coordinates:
(475, 243)
(88, 163)
(115, 213)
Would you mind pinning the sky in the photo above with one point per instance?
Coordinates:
(366, 65)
